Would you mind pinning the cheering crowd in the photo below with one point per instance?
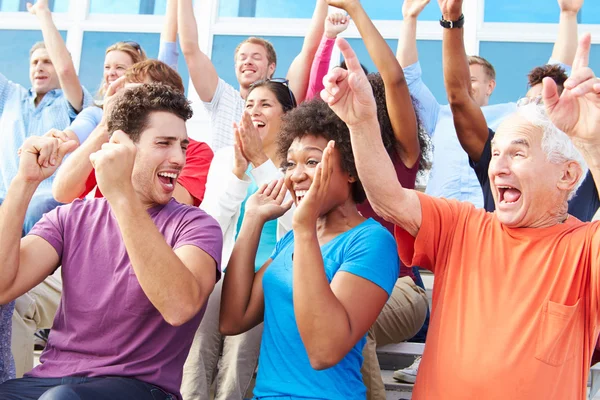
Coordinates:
(167, 268)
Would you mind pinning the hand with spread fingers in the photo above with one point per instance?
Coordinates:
(413, 8)
(577, 111)
(335, 24)
(40, 156)
(268, 203)
(114, 165)
(240, 162)
(309, 209)
(251, 142)
(348, 92)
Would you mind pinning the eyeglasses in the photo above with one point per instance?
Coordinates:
(523, 101)
(133, 44)
(284, 82)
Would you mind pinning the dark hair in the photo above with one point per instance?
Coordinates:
(281, 90)
(385, 125)
(554, 71)
(344, 66)
(132, 107)
(316, 118)
(157, 72)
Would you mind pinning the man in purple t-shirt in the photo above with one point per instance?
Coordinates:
(137, 266)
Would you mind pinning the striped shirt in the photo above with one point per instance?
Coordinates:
(225, 108)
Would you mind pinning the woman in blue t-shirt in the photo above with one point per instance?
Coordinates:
(317, 295)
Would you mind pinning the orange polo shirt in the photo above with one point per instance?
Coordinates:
(514, 311)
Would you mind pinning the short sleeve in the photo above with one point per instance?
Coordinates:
(85, 123)
(51, 228)
(86, 102)
(481, 167)
(372, 255)
(168, 53)
(438, 222)
(194, 175)
(225, 108)
(282, 243)
(199, 229)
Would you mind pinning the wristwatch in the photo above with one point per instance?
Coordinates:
(453, 24)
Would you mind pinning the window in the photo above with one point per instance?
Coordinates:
(543, 11)
(94, 48)
(430, 57)
(14, 57)
(152, 7)
(59, 6)
(287, 49)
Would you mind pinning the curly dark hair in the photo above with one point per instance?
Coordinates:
(554, 71)
(387, 133)
(130, 110)
(316, 118)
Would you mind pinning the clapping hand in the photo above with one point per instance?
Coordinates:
(268, 203)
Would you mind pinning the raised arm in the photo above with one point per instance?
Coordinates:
(242, 298)
(167, 52)
(334, 25)
(577, 111)
(566, 42)
(471, 126)
(299, 71)
(397, 96)
(408, 58)
(59, 55)
(202, 71)
(350, 96)
(27, 262)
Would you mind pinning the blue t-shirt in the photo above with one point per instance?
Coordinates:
(367, 250)
(268, 236)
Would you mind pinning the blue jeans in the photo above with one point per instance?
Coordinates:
(78, 388)
(422, 334)
(39, 205)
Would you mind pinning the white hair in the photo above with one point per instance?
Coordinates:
(555, 143)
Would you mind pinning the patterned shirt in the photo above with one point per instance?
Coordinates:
(21, 119)
(225, 108)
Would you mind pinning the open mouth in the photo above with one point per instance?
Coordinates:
(300, 195)
(258, 124)
(248, 71)
(508, 194)
(167, 180)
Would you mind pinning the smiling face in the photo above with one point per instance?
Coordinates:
(529, 191)
(252, 64)
(160, 158)
(266, 113)
(42, 74)
(303, 156)
(116, 62)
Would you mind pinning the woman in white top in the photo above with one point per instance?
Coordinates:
(236, 173)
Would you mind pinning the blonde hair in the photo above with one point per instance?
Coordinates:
(134, 50)
(489, 68)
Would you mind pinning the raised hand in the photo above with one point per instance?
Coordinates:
(40, 6)
(40, 156)
(344, 4)
(572, 6)
(335, 24)
(251, 142)
(348, 92)
(268, 203)
(110, 95)
(240, 162)
(114, 165)
(413, 8)
(577, 111)
(309, 209)
(451, 9)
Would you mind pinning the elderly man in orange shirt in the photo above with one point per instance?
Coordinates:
(517, 292)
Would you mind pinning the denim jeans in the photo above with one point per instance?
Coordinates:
(422, 334)
(79, 388)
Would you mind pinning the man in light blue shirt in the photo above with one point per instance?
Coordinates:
(451, 176)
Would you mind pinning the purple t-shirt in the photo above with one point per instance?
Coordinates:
(105, 324)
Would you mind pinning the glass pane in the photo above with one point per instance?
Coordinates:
(224, 46)
(14, 57)
(377, 9)
(94, 47)
(513, 61)
(590, 13)
(59, 6)
(156, 7)
(430, 54)
(546, 11)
